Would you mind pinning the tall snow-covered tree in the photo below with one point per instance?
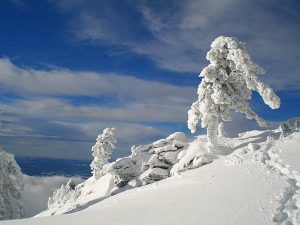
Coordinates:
(11, 188)
(102, 150)
(227, 84)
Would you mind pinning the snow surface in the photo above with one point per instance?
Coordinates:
(255, 180)
(290, 152)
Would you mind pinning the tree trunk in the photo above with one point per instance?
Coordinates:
(212, 134)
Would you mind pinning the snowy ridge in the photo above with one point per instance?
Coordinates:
(253, 180)
(147, 164)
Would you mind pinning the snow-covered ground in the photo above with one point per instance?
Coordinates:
(256, 180)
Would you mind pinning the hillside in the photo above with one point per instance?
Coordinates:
(254, 180)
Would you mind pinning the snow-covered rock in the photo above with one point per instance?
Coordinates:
(289, 126)
(124, 170)
(166, 148)
(194, 156)
(154, 162)
(153, 175)
(169, 158)
(179, 144)
(179, 136)
(141, 148)
(160, 154)
(161, 143)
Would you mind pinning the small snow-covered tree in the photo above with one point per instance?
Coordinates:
(102, 150)
(227, 84)
(66, 193)
(11, 187)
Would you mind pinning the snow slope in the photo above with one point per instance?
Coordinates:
(255, 181)
(91, 190)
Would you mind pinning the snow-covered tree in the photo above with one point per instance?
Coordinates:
(11, 187)
(66, 193)
(227, 84)
(102, 150)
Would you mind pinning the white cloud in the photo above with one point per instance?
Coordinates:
(9, 128)
(56, 109)
(45, 121)
(55, 128)
(131, 99)
(125, 132)
(63, 82)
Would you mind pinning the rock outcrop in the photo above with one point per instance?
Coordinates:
(150, 163)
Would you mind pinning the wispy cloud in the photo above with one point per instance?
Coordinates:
(17, 3)
(176, 35)
(52, 108)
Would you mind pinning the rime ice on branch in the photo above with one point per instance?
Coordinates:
(227, 83)
(102, 150)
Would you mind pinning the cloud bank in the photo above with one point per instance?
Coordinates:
(61, 111)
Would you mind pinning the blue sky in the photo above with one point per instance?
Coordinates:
(68, 69)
